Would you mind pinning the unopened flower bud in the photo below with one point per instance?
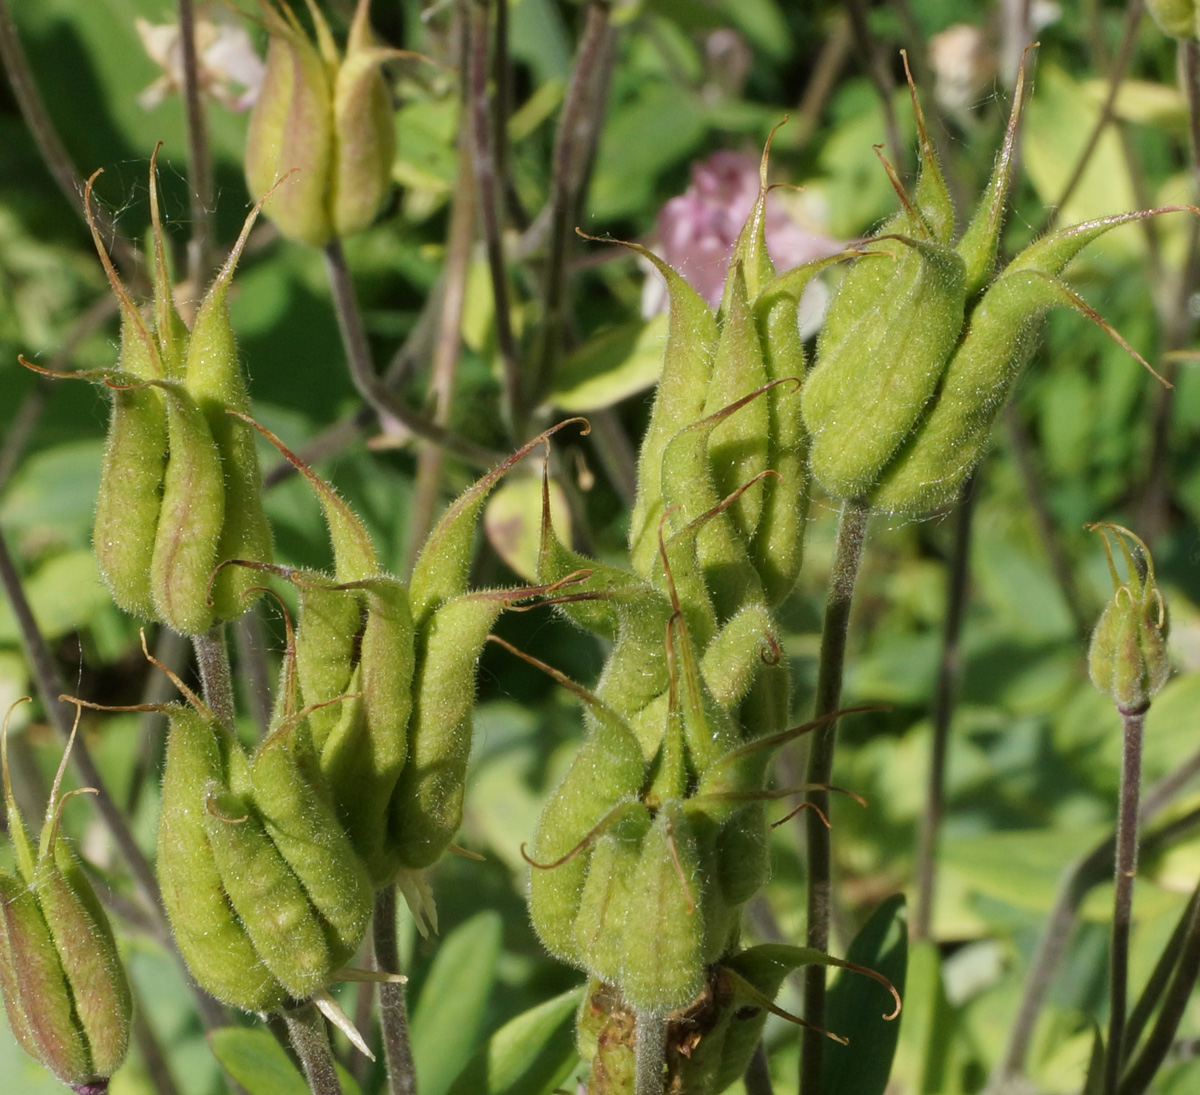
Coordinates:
(1128, 656)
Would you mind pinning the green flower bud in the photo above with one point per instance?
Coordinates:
(329, 119)
(1127, 658)
(65, 992)
(1178, 18)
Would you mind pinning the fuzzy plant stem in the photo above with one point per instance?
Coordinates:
(393, 1011)
(650, 1052)
(200, 184)
(851, 533)
(1124, 871)
(309, 1038)
(216, 679)
(1147, 1063)
(943, 710)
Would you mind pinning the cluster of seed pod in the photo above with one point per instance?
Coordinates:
(920, 352)
(180, 485)
(657, 835)
(65, 991)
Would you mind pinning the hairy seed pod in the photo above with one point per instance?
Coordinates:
(609, 769)
(190, 518)
(265, 893)
(426, 806)
(211, 938)
(302, 823)
(214, 380)
(330, 621)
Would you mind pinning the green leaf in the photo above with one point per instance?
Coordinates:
(65, 592)
(856, 1006)
(929, 1027)
(449, 1013)
(1094, 1083)
(613, 365)
(529, 1055)
(256, 1061)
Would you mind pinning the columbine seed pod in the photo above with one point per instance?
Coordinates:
(1127, 658)
(64, 987)
(1178, 18)
(329, 119)
(213, 378)
(211, 938)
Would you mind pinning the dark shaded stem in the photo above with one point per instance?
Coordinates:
(575, 142)
(362, 371)
(1116, 73)
(393, 1010)
(757, 1079)
(851, 533)
(825, 72)
(1154, 497)
(50, 685)
(200, 179)
(487, 186)
(943, 711)
(880, 75)
(216, 680)
(611, 443)
(309, 1038)
(1160, 977)
(1125, 869)
(1023, 455)
(650, 1052)
(444, 370)
(1147, 1063)
(158, 1066)
(45, 135)
(250, 639)
(1088, 871)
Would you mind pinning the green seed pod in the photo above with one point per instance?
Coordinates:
(135, 454)
(440, 571)
(291, 129)
(738, 444)
(663, 959)
(1127, 658)
(214, 380)
(211, 938)
(427, 803)
(170, 331)
(1178, 18)
(190, 520)
(330, 621)
(608, 770)
(608, 908)
(302, 823)
(1004, 330)
(886, 340)
(267, 896)
(63, 983)
(363, 756)
(364, 131)
(679, 400)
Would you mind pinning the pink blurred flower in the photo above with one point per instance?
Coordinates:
(697, 230)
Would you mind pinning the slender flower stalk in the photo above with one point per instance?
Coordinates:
(200, 185)
(306, 1031)
(393, 1010)
(216, 678)
(650, 1047)
(851, 534)
(943, 710)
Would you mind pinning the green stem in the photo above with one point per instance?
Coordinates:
(757, 1080)
(393, 1010)
(1125, 868)
(212, 659)
(943, 711)
(851, 533)
(306, 1031)
(650, 1052)
(362, 370)
(1147, 1063)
